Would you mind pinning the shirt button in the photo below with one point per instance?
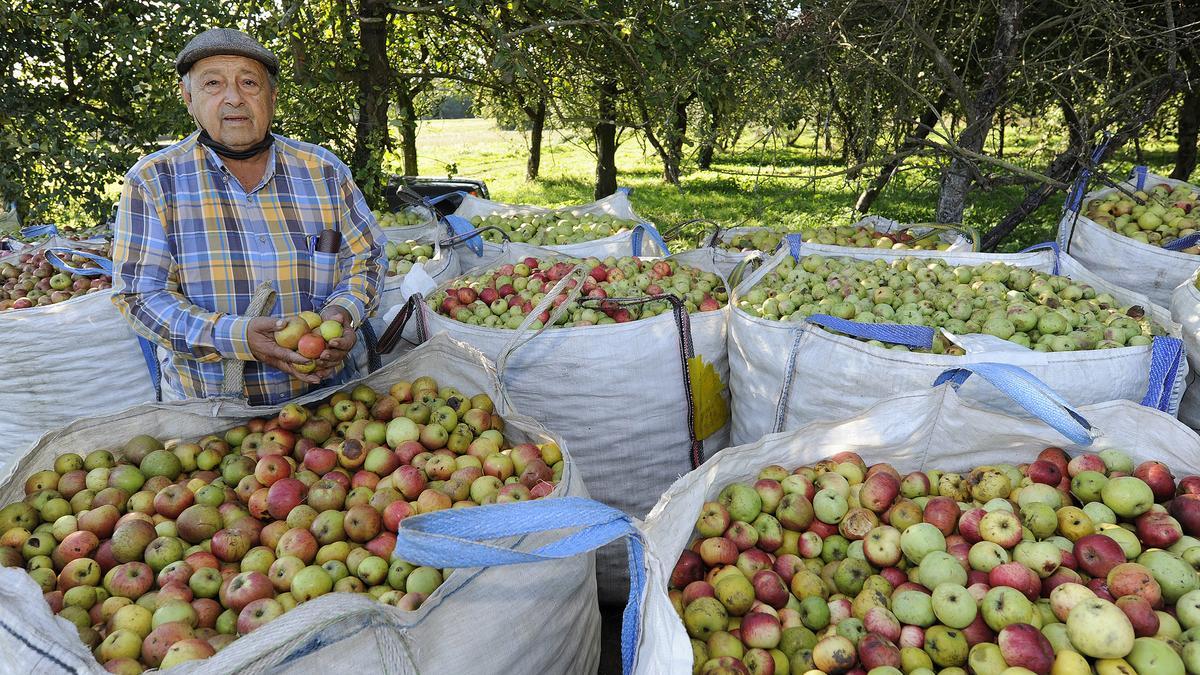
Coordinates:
(262, 238)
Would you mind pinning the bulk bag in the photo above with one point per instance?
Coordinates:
(919, 430)
(916, 431)
(618, 394)
(71, 359)
(728, 258)
(785, 374)
(1143, 268)
(642, 239)
(341, 632)
(1185, 309)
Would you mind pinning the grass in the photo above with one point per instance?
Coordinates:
(739, 190)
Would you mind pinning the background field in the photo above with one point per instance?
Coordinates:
(739, 190)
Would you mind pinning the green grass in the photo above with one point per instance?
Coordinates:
(477, 148)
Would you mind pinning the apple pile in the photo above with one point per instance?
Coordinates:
(402, 218)
(549, 229)
(867, 237)
(504, 296)
(165, 553)
(307, 334)
(1060, 565)
(34, 282)
(402, 255)
(1040, 311)
(842, 235)
(1165, 215)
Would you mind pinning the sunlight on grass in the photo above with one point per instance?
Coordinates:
(739, 190)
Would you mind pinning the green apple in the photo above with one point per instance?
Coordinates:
(914, 608)
(953, 605)
(1155, 656)
(1175, 576)
(1127, 496)
(1099, 629)
(986, 555)
(939, 567)
(1002, 606)
(920, 539)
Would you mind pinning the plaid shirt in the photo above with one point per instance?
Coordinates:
(191, 245)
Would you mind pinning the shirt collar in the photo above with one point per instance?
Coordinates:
(217, 164)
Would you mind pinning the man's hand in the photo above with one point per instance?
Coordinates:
(261, 336)
(337, 348)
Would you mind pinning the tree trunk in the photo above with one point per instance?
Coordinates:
(674, 156)
(537, 122)
(1189, 124)
(956, 180)
(408, 128)
(1065, 165)
(605, 134)
(371, 130)
(920, 131)
(709, 142)
(1003, 122)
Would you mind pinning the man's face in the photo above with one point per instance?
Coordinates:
(232, 99)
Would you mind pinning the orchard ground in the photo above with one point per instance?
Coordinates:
(740, 188)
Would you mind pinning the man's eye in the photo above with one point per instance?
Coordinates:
(211, 83)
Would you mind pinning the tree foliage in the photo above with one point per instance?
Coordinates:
(883, 86)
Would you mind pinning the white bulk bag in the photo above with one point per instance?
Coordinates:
(1185, 310)
(1143, 268)
(785, 374)
(616, 393)
(444, 264)
(64, 361)
(643, 240)
(503, 610)
(727, 259)
(920, 430)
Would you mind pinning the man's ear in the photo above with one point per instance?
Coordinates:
(185, 94)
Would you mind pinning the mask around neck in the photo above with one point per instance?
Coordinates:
(229, 153)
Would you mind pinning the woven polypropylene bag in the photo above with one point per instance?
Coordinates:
(646, 243)
(727, 259)
(616, 394)
(1151, 270)
(785, 374)
(1185, 309)
(478, 621)
(921, 430)
(65, 361)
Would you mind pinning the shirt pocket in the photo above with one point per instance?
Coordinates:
(325, 271)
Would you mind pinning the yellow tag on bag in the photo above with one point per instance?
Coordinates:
(709, 408)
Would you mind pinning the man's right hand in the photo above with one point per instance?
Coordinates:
(261, 336)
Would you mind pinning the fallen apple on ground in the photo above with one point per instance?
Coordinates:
(859, 569)
(164, 553)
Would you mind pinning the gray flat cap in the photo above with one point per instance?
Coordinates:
(224, 42)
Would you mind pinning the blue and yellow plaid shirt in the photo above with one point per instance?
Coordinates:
(191, 246)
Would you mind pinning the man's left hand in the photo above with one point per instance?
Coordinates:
(337, 348)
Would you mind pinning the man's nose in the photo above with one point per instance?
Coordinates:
(233, 95)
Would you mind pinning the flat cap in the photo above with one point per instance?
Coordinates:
(224, 42)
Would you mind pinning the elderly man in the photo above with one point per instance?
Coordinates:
(203, 223)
